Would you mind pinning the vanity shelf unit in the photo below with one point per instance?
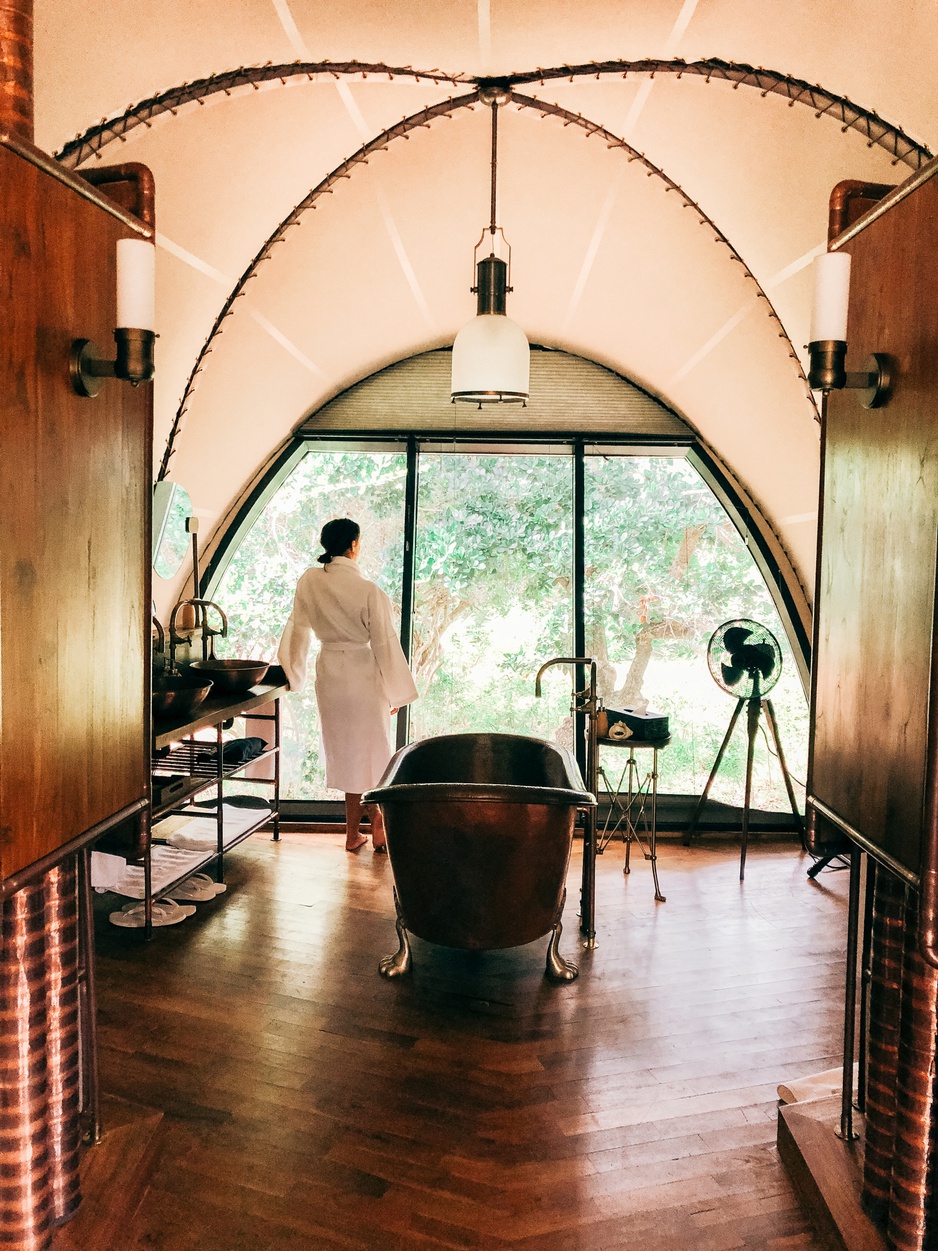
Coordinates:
(185, 766)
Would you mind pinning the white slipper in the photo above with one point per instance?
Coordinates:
(197, 888)
(218, 888)
(165, 912)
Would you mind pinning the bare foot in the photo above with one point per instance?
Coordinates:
(381, 849)
(354, 844)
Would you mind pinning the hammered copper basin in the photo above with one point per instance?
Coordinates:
(479, 830)
(179, 695)
(232, 676)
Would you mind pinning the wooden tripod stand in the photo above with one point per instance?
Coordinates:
(755, 706)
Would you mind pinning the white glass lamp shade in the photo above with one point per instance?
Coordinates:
(136, 262)
(491, 361)
(831, 297)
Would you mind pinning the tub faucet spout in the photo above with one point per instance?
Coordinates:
(571, 660)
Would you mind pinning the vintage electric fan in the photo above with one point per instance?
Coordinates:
(745, 660)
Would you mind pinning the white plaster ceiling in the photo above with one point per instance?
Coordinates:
(607, 262)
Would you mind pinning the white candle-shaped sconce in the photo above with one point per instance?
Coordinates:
(135, 331)
(136, 284)
(831, 297)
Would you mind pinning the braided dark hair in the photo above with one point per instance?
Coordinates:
(337, 537)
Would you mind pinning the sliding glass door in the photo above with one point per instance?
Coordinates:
(493, 568)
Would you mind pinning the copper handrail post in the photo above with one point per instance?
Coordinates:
(928, 917)
(91, 1093)
(846, 1130)
(866, 979)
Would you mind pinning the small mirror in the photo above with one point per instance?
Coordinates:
(171, 509)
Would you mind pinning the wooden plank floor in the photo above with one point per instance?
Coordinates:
(309, 1104)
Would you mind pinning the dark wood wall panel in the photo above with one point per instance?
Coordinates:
(74, 490)
(880, 517)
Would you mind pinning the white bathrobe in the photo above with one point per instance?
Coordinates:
(361, 673)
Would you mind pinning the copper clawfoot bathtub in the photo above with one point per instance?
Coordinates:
(479, 829)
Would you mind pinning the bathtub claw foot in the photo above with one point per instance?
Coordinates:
(400, 962)
(559, 969)
(396, 965)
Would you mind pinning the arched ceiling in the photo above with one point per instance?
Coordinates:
(686, 270)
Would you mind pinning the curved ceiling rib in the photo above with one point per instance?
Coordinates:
(400, 130)
(90, 142)
(877, 132)
(614, 141)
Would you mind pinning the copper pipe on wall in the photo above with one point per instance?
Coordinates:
(39, 868)
(849, 200)
(62, 1037)
(25, 1191)
(141, 200)
(911, 1220)
(16, 68)
(885, 998)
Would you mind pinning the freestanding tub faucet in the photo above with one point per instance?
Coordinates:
(585, 701)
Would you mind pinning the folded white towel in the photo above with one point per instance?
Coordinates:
(201, 833)
(166, 864)
(106, 870)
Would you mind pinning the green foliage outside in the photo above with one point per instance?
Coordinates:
(493, 599)
(664, 568)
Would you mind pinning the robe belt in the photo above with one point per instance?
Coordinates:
(344, 647)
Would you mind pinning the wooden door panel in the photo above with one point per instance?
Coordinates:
(880, 518)
(74, 494)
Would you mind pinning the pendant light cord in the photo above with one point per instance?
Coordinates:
(492, 225)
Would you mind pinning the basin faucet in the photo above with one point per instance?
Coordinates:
(174, 636)
(160, 638)
(209, 634)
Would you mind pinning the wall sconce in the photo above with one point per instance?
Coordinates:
(134, 335)
(827, 350)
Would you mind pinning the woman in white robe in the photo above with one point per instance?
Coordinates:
(362, 677)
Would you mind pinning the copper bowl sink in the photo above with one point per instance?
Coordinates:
(231, 676)
(179, 695)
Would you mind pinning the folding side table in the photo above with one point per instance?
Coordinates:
(633, 804)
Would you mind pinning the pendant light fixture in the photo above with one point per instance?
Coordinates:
(491, 357)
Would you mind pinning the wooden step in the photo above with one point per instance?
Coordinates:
(826, 1174)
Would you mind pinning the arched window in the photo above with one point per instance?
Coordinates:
(493, 591)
